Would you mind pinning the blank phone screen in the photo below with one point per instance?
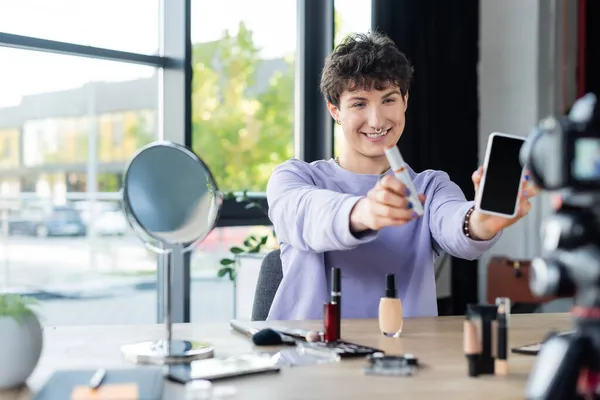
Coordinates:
(502, 176)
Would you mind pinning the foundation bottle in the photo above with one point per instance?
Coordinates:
(390, 309)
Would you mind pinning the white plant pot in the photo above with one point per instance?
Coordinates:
(21, 347)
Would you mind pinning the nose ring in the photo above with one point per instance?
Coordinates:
(379, 130)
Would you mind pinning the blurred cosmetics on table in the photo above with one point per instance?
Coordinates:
(485, 338)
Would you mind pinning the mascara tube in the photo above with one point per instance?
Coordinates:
(401, 172)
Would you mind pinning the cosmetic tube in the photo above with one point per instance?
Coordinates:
(486, 314)
(472, 343)
(501, 362)
(400, 169)
(330, 322)
(336, 296)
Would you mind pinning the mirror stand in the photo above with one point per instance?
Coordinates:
(171, 201)
(168, 351)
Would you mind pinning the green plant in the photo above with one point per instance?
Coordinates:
(16, 307)
(252, 244)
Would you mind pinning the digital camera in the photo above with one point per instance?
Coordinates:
(564, 152)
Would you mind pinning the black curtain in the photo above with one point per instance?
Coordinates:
(592, 49)
(440, 38)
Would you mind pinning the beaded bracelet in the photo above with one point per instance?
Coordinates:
(466, 224)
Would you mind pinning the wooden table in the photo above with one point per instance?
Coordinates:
(437, 342)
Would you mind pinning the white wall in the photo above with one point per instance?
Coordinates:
(519, 83)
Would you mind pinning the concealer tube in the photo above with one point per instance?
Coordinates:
(472, 345)
(484, 315)
(501, 363)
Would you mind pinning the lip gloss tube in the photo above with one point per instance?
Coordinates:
(330, 322)
(401, 172)
(336, 296)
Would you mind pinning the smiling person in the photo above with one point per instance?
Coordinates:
(352, 213)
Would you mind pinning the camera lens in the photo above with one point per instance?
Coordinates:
(548, 278)
(565, 230)
(546, 138)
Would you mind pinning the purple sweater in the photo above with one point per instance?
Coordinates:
(309, 206)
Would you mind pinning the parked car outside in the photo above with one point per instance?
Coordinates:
(40, 222)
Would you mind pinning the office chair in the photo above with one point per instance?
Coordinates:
(269, 278)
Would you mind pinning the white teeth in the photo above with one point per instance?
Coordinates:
(376, 135)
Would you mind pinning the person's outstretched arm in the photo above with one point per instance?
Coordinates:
(448, 209)
(307, 217)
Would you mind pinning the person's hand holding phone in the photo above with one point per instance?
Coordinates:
(485, 226)
(386, 204)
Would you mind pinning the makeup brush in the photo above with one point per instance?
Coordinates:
(270, 337)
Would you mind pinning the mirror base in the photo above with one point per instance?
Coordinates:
(157, 352)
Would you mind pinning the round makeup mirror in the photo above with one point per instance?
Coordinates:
(171, 201)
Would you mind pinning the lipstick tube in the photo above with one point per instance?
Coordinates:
(401, 172)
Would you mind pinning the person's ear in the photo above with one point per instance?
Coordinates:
(334, 112)
(405, 101)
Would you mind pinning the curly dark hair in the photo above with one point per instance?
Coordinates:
(364, 62)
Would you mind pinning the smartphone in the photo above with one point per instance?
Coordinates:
(498, 192)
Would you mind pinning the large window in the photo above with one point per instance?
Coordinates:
(69, 124)
(71, 117)
(243, 121)
(126, 25)
(67, 133)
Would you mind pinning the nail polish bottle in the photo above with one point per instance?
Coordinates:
(390, 309)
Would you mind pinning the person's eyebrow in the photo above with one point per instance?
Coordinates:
(391, 93)
(353, 98)
(385, 96)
